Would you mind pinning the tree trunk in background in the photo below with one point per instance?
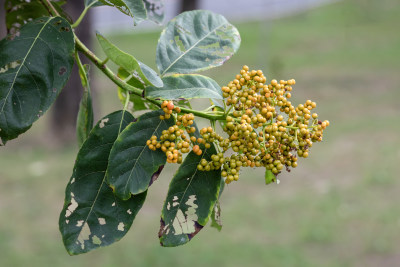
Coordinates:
(3, 30)
(187, 5)
(66, 107)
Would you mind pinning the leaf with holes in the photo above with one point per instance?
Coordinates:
(185, 86)
(27, 89)
(190, 201)
(84, 121)
(195, 41)
(20, 12)
(155, 10)
(129, 62)
(133, 8)
(132, 165)
(92, 216)
(216, 221)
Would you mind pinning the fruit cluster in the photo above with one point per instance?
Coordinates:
(178, 138)
(263, 128)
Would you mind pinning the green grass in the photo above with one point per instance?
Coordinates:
(338, 208)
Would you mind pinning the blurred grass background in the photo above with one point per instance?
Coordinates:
(338, 208)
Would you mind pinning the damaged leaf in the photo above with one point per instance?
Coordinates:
(92, 216)
(20, 12)
(132, 164)
(216, 221)
(155, 10)
(190, 201)
(139, 10)
(28, 89)
(186, 86)
(133, 8)
(195, 41)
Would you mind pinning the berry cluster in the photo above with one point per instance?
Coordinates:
(263, 128)
(168, 107)
(178, 139)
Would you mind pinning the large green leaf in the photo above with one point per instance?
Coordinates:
(129, 62)
(92, 216)
(186, 86)
(34, 67)
(84, 122)
(195, 41)
(132, 165)
(134, 8)
(191, 198)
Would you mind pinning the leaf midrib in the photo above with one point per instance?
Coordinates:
(188, 50)
(184, 89)
(141, 152)
(98, 192)
(23, 64)
(184, 192)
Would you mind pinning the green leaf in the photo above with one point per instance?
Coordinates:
(34, 67)
(92, 216)
(216, 221)
(93, 3)
(148, 75)
(84, 122)
(133, 8)
(195, 41)
(191, 198)
(155, 10)
(217, 105)
(137, 101)
(133, 80)
(269, 177)
(140, 10)
(132, 165)
(20, 12)
(129, 62)
(221, 188)
(186, 86)
(184, 103)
